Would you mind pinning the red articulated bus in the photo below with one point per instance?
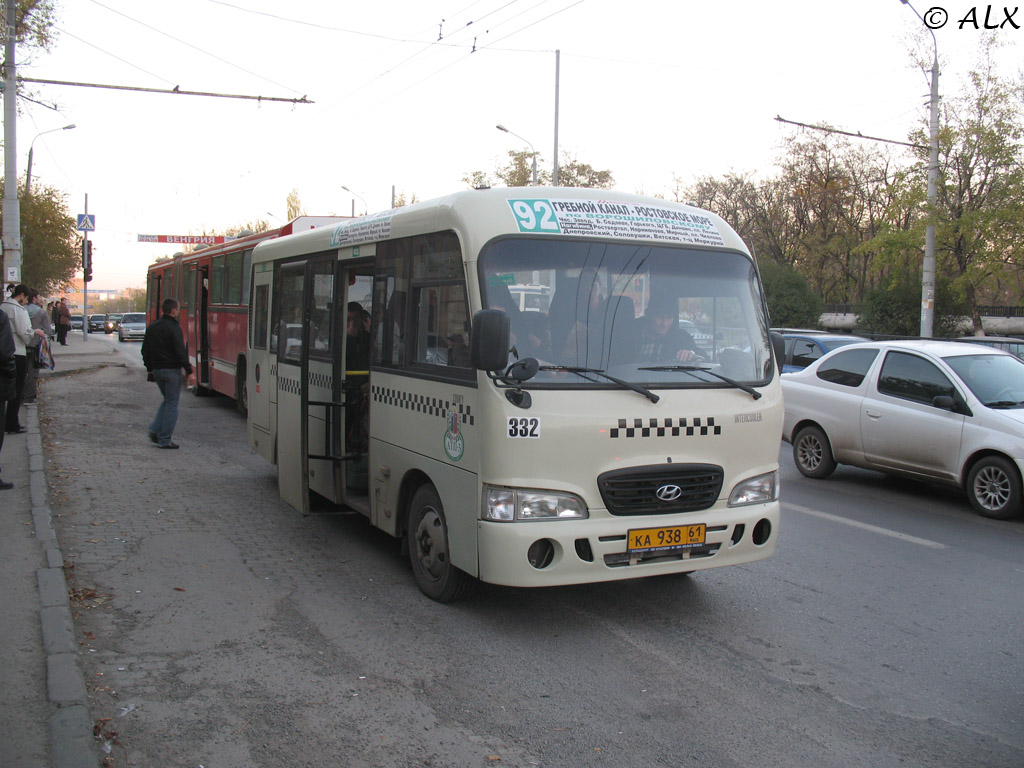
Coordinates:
(212, 286)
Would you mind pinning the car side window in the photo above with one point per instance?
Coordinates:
(805, 352)
(913, 378)
(847, 367)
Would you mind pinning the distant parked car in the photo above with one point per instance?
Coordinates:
(96, 323)
(804, 347)
(76, 322)
(112, 321)
(132, 326)
(1006, 343)
(932, 410)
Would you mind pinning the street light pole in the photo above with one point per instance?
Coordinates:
(356, 194)
(928, 267)
(501, 127)
(31, 146)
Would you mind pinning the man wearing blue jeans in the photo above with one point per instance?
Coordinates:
(163, 352)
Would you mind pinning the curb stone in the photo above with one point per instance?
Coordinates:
(71, 731)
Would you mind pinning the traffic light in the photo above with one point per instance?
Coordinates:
(87, 260)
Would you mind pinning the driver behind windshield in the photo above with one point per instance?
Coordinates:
(661, 338)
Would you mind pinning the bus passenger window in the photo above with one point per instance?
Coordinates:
(320, 319)
(259, 330)
(289, 327)
(442, 337)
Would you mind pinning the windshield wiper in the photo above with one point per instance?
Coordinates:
(1004, 404)
(621, 382)
(691, 368)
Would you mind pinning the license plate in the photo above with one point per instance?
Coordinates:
(666, 539)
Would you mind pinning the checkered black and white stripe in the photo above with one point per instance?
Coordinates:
(431, 406)
(291, 386)
(320, 380)
(666, 427)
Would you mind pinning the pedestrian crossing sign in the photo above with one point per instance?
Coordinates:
(86, 222)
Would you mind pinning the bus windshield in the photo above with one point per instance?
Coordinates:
(664, 315)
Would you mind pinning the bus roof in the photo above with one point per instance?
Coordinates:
(482, 214)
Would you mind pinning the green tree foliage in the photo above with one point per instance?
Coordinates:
(894, 309)
(979, 228)
(477, 180)
(851, 217)
(35, 23)
(791, 300)
(573, 173)
(51, 247)
(294, 205)
(518, 172)
(401, 200)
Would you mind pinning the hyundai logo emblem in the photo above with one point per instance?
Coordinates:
(669, 492)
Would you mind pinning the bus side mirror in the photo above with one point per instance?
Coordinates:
(490, 340)
(779, 347)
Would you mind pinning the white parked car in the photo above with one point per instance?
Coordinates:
(941, 411)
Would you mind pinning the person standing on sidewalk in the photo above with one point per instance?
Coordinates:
(63, 322)
(8, 377)
(21, 327)
(163, 352)
(40, 319)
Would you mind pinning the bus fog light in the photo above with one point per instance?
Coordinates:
(541, 553)
(506, 504)
(756, 490)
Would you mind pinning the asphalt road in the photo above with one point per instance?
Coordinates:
(220, 628)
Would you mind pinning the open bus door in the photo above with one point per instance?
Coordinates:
(321, 405)
(198, 337)
(292, 318)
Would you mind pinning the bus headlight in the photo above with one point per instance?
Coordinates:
(756, 490)
(507, 504)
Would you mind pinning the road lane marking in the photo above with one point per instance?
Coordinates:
(866, 526)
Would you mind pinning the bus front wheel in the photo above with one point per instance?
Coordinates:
(435, 575)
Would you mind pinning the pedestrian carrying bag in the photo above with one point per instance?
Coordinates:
(43, 357)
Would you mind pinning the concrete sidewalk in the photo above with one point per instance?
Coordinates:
(44, 716)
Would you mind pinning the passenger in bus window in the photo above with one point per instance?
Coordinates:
(357, 351)
(458, 350)
(661, 338)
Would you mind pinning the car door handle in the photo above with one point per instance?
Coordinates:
(873, 414)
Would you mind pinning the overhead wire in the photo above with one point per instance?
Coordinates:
(474, 50)
(114, 56)
(194, 47)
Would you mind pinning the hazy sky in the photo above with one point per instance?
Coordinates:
(652, 89)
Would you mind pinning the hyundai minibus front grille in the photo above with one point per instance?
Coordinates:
(660, 489)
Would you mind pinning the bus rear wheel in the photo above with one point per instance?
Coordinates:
(435, 575)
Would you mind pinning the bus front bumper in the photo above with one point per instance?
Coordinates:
(551, 553)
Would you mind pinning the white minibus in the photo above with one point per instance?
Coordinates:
(392, 371)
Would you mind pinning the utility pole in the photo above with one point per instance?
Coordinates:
(86, 274)
(11, 208)
(554, 172)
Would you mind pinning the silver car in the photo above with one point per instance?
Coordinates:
(942, 411)
(133, 326)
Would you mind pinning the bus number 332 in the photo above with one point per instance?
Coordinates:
(523, 427)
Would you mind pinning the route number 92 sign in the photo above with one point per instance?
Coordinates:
(535, 215)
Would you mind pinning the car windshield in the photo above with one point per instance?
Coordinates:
(638, 312)
(996, 380)
(136, 318)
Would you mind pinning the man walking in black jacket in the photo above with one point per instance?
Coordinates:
(163, 352)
